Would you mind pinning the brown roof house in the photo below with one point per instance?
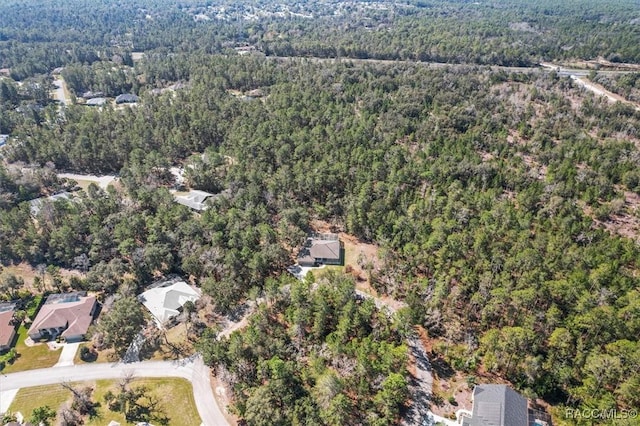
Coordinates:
(68, 315)
(7, 326)
(321, 249)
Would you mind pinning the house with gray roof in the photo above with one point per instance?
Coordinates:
(194, 199)
(96, 102)
(35, 205)
(321, 249)
(126, 98)
(499, 405)
(165, 299)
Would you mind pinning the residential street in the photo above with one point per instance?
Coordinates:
(192, 369)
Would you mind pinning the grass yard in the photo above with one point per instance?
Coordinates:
(176, 346)
(175, 400)
(30, 358)
(106, 355)
(28, 399)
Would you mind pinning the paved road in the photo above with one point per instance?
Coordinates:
(544, 67)
(192, 369)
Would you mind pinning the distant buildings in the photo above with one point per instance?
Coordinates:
(68, 315)
(321, 249)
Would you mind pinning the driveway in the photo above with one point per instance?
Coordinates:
(67, 354)
(101, 181)
(192, 369)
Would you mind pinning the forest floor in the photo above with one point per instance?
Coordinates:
(28, 273)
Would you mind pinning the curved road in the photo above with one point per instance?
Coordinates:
(192, 369)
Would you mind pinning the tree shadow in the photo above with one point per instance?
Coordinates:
(442, 368)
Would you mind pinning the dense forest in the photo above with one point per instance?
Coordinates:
(35, 39)
(493, 194)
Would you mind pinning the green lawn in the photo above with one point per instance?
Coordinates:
(29, 398)
(103, 356)
(175, 396)
(30, 358)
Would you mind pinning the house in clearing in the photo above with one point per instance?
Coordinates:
(127, 98)
(35, 205)
(96, 102)
(321, 249)
(499, 405)
(194, 199)
(7, 325)
(68, 315)
(165, 299)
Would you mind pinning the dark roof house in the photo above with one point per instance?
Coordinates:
(321, 249)
(499, 405)
(68, 315)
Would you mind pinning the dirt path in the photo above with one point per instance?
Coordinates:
(601, 91)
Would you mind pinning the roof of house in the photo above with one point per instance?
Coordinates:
(36, 205)
(126, 98)
(70, 310)
(498, 405)
(325, 249)
(89, 94)
(96, 102)
(164, 300)
(194, 199)
(322, 246)
(7, 328)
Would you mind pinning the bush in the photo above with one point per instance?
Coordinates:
(33, 305)
(87, 355)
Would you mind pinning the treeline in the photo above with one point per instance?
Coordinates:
(482, 187)
(37, 38)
